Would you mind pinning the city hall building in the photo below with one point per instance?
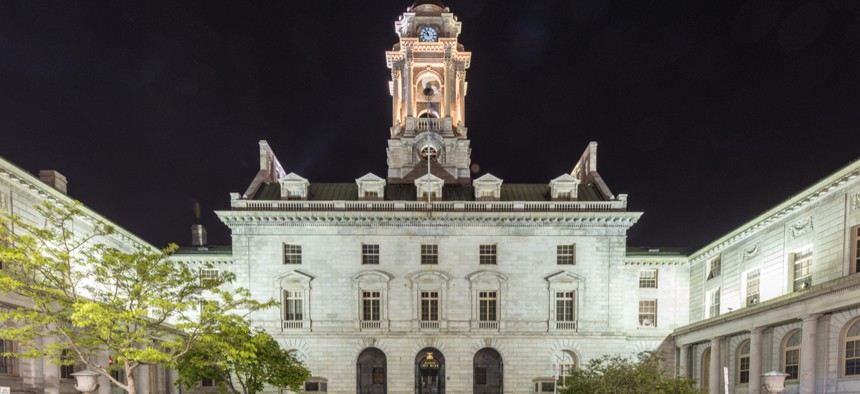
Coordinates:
(425, 280)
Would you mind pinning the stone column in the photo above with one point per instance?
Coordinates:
(461, 95)
(807, 354)
(396, 87)
(448, 86)
(716, 372)
(683, 362)
(755, 360)
(407, 83)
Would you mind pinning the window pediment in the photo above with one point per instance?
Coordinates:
(424, 279)
(562, 278)
(372, 279)
(487, 276)
(293, 278)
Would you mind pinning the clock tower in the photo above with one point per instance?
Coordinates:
(428, 90)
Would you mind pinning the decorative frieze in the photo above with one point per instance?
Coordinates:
(801, 227)
(855, 202)
(752, 251)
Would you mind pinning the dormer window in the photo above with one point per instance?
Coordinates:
(564, 188)
(487, 188)
(429, 184)
(370, 187)
(294, 187)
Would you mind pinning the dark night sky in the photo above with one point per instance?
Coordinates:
(707, 112)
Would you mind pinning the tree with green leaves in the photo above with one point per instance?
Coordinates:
(646, 374)
(87, 293)
(240, 360)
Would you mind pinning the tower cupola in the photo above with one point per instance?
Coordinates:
(428, 89)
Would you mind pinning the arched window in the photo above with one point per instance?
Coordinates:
(791, 355)
(567, 363)
(744, 362)
(852, 349)
(706, 368)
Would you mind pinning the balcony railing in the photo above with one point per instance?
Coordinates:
(487, 325)
(429, 324)
(439, 206)
(371, 325)
(292, 324)
(565, 325)
(428, 124)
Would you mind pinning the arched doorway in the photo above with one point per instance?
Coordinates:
(487, 372)
(371, 372)
(429, 372)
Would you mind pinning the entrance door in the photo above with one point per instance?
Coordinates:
(371, 372)
(429, 372)
(487, 372)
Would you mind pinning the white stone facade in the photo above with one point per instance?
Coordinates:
(802, 258)
(20, 193)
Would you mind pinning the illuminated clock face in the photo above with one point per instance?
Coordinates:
(428, 34)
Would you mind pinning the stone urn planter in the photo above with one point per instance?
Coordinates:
(86, 381)
(773, 382)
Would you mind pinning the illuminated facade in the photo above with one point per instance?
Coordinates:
(781, 293)
(20, 193)
(426, 280)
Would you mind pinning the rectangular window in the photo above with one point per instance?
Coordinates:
(487, 254)
(744, 369)
(66, 371)
(802, 271)
(752, 287)
(564, 306)
(293, 305)
(369, 254)
(430, 254)
(7, 364)
(566, 254)
(316, 387)
(206, 382)
(714, 303)
(487, 305)
(648, 279)
(648, 313)
(715, 267)
(855, 247)
(370, 303)
(429, 304)
(852, 356)
(792, 363)
(292, 254)
(208, 274)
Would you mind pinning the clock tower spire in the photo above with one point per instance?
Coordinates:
(428, 89)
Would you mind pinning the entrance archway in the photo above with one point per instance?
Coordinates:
(487, 373)
(371, 370)
(429, 372)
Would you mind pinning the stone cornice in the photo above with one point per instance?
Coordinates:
(40, 190)
(822, 189)
(621, 220)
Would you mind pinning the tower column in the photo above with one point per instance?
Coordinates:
(407, 83)
(448, 87)
(397, 86)
(461, 95)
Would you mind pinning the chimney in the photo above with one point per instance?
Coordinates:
(54, 179)
(198, 235)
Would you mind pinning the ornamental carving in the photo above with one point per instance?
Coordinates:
(855, 202)
(752, 251)
(801, 227)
